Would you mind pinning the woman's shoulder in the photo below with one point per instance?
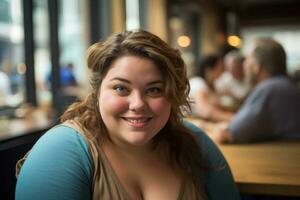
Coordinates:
(62, 140)
(59, 159)
(64, 136)
(219, 182)
(211, 153)
(198, 132)
(61, 146)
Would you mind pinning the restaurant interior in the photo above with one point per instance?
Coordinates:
(38, 38)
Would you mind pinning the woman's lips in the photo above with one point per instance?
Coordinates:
(137, 122)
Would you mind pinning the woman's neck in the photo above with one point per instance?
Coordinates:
(128, 150)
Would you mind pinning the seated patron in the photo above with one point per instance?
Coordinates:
(232, 85)
(66, 76)
(4, 84)
(272, 110)
(204, 98)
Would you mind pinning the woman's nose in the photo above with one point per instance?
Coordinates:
(137, 102)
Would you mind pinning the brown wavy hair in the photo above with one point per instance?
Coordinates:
(184, 150)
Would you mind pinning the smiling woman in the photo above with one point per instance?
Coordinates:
(132, 103)
(127, 139)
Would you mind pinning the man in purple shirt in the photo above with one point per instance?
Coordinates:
(272, 110)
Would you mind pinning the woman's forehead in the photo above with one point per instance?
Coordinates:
(134, 67)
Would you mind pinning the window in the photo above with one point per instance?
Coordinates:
(42, 51)
(73, 37)
(12, 67)
(132, 14)
(288, 36)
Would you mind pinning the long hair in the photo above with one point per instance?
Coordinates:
(184, 150)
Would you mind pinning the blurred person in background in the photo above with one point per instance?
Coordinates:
(272, 109)
(232, 85)
(4, 84)
(127, 139)
(15, 77)
(203, 96)
(66, 75)
(5, 89)
(70, 91)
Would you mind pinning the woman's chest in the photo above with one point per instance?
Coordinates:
(147, 179)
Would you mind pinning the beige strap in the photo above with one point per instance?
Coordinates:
(20, 164)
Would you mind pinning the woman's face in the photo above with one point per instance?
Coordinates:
(132, 102)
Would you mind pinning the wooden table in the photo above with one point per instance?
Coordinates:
(269, 168)
(35, 120)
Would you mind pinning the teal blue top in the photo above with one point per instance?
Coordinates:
(60, 166)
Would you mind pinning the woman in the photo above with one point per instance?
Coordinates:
(127, 140)
(203, 95)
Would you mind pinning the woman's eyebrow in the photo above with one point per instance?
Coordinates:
(129, 82)
(120, 79)
(155, 82)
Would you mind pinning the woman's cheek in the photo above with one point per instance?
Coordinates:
(160, 105)
(113, 103)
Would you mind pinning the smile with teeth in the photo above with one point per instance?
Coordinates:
(137, 122)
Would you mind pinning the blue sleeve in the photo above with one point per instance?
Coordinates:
(219, 182)
(251, 123)
(59, 166)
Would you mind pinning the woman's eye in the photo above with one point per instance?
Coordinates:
(121, 90)
(155, 91)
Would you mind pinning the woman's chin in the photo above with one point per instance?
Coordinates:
(138, 142)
